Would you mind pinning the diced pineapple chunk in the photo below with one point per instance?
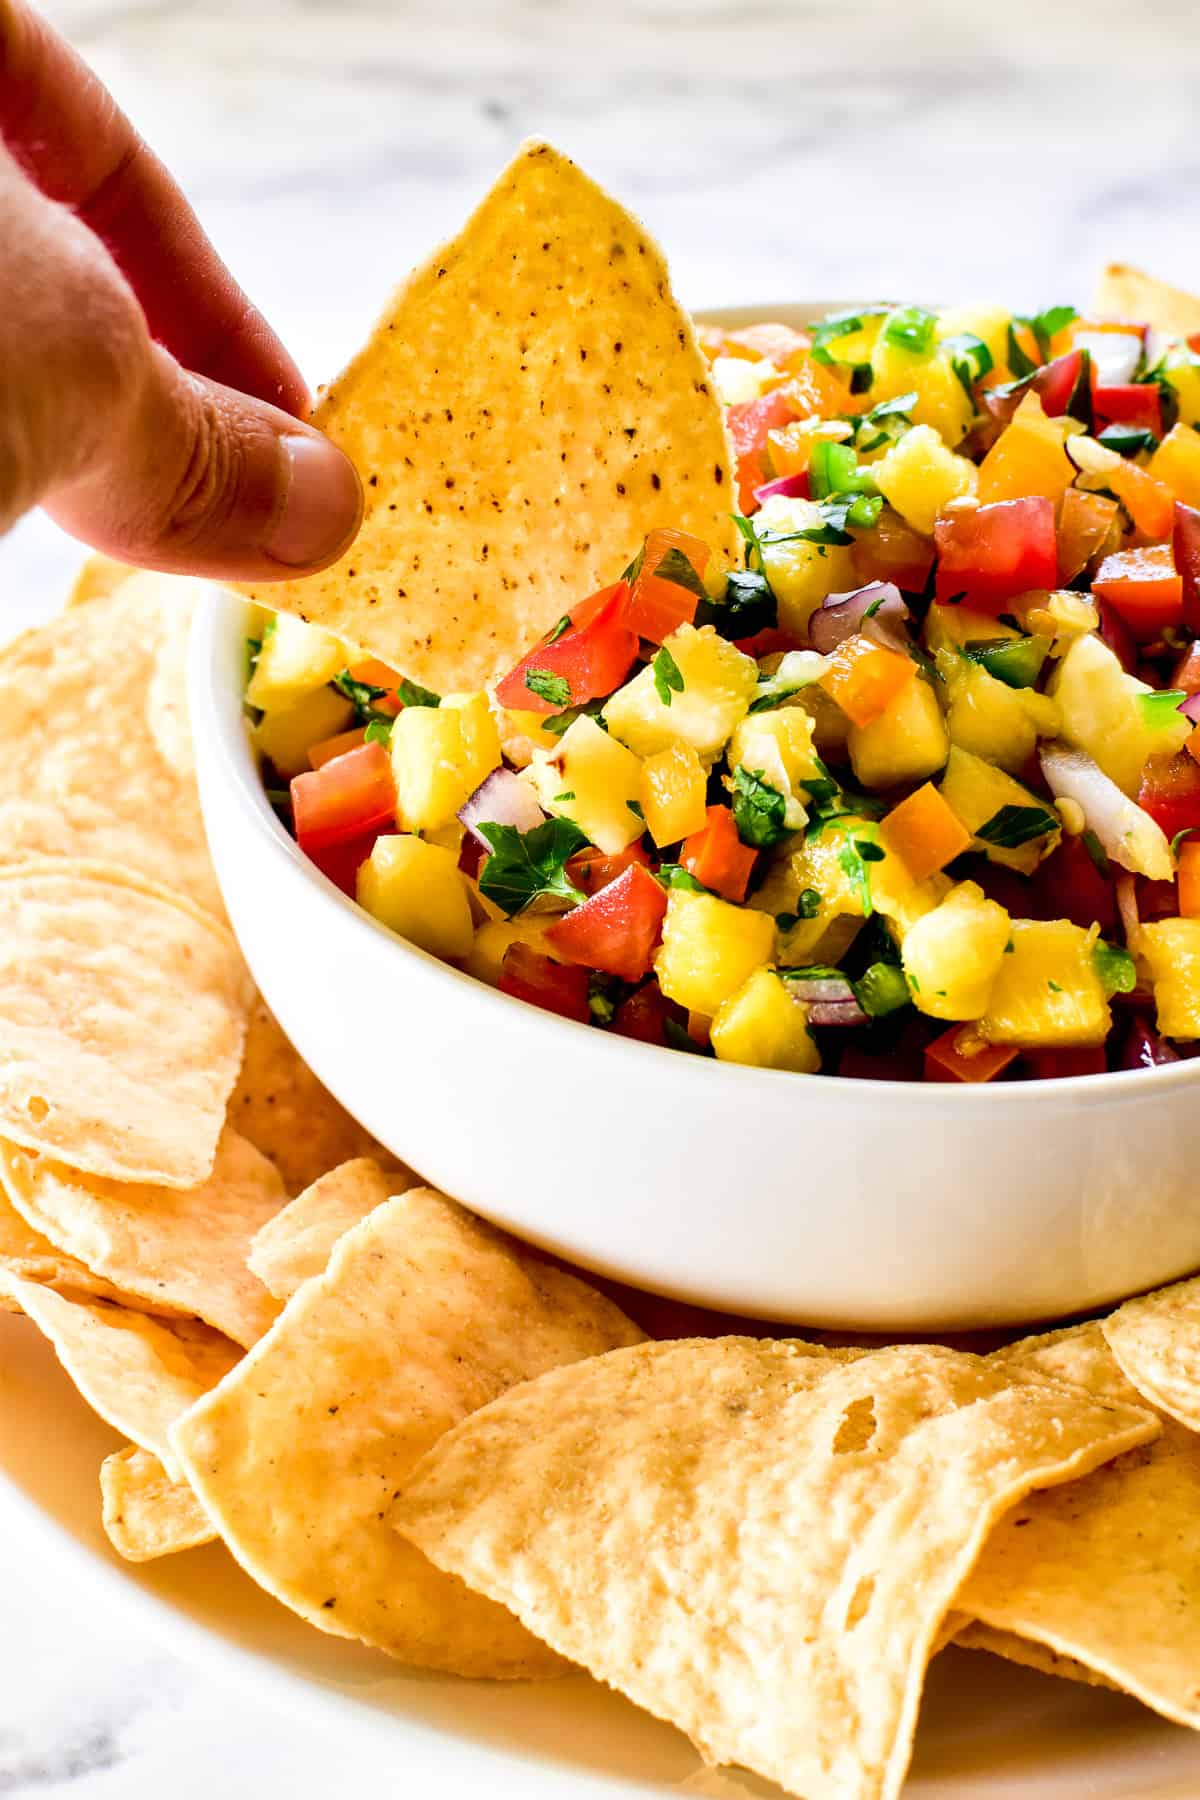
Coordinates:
(1177, 462)
(1171, 950)
(829, 867)
(779, 747)
(738, 380)
(977, 791)
(485, 959)
(417, 890)
(718, 686)
(765, 1026)
(594, 780)
(287, 736)
(800, 573)
(1102, 713)
(953, 955)
(673, 793)
(989, 718)
(710, 949)
(440, 754)
(818, 940)
(919, 476)
(1060, 615)
(942, 402)
(950, 627)
(902, 901)
(294, 659)
(982, 320)
(906, 742)
(1048, 993)
(1182, 370)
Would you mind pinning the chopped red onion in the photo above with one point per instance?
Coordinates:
(836, 1012)
(1127, 906)
(1128, 834)
(501, 799)
(1191, 708)
(830, 1000)
(1144, 1048)
(1115, 355)
(839, 616)
(791, 487)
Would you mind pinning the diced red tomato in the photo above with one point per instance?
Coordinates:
(958, 1055)
(659, 606)
(341, 862)
(1144, 587)
(1170, 792)
(989, 555)
(767, 642)
(717, 856)
(1085, 523)
(353, 794)
(1186, 545)
(749, 424)
(591, 870)
(1189, 878)
(1055, 382)
(892, 551)
(1068, 885)
(328, 748)
(1138, 404)
(1116, 634)
(644, 1015)
(617, 929)
(1051, 1065)
(556, 987)
(591, 649)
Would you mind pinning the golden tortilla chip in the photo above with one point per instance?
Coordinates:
(122, 1018)
(84, 703)
(297, 1243)
(424, 1314)
(977, 1636)
(1156, 1340)
(146, 1514)
(757, 1541)
(285, 1112)
(24, 1252)
(138, 1373)
(180, 1250)
(1106, 1571)
(1125, 293)
(533, 401)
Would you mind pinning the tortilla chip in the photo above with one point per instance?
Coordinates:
(98, 577)
(424, 1314)
(146, 1514)
(285, 1112)
(1106, 1571)
(533, 401)
(178, 1250)
(976, 1636)
(297, 1243)
(24, 1252)
(138, 1373)
(122, 1018)
(757, 1541)
(1125, 293)
(82, 730)
(1156, 1340)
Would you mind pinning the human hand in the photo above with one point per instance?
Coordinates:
(143, 401)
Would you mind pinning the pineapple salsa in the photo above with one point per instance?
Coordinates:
(913, 792)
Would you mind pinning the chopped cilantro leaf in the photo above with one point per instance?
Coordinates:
(635, 567)
(1020, 364)
(524, 865)
(1179, 837)
(413, 694)
(1115, 967)
(676, 568)
(564, 624)
(752, 548)
(362, 695)
(668, 678)
(1096, 851)
(634, 807)
(1046, 325)
(253, 652)
(837, 325)
(555, 690)
(809, 903)
(911, 328)
(855, 866)
(558, 723)
(758, 809)
(748, 607)
(1015, 825)
(567, 794)
(678, 1039)
(379, 731)
(674, 875)
(1127, 440)
(970, 359)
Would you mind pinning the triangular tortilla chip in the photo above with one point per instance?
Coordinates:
(297, 1243)
(25, 1253)
(1156, 1340)
(1030, 1655)
(1125, 293)
(533, 401)
(146, 1514)
(424, 1314)
(757, 1541)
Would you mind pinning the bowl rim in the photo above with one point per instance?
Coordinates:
(221, 713)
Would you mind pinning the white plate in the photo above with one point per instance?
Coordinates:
(989, 1731)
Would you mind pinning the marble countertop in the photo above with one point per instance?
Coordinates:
(779, 149)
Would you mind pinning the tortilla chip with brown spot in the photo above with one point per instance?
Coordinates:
(1029, 1654)
(532, 403)
(146, 1514)
(297, 1243)
(1125, 293)
(757, 1541)
(138, 1373)
(179, 1250)
(423, 1314)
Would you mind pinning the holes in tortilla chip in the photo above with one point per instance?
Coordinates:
(37, 1108)
(860, 1600)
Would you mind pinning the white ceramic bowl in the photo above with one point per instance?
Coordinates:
(865, 1205)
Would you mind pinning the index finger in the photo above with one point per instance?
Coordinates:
(67, 132)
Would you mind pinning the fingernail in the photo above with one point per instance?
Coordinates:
(322, 504)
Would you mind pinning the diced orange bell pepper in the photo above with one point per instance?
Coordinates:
(769, 341)
(1189, 878)
(749, 422)
(328, 748)
(1192, 743)
(815, 391)
(1144, 587)
(1177, 463)
(1149, 503)
(864, 678)
(717, 856)
(1027, 459)
(373, 673)
(660, 605)
(924, 832)
(892, 551)
(1085, 525)
(960, 1055)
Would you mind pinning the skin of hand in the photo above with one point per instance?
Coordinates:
(144, 403)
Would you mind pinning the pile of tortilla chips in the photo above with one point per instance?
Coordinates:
(409, 1429)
